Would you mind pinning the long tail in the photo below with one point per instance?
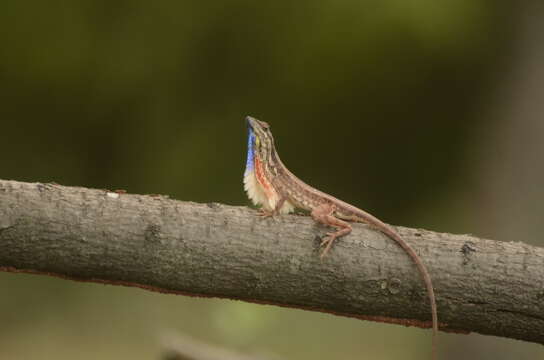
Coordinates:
(388, 230)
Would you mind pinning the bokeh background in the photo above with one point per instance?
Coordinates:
(426, 113)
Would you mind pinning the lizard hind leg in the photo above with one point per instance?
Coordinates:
(324, 215)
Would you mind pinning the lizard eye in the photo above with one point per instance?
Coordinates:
(265, 125)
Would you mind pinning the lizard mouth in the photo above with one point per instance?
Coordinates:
(251, 122)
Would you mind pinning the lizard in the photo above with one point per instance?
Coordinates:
(269, 184)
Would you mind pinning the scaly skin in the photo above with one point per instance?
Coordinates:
(271, 185)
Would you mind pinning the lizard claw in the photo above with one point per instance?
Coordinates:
(327, 242)
(328, 238)
(265, 213)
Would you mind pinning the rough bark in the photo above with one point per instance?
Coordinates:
(215, 250)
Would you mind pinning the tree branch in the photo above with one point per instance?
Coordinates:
(215, 250)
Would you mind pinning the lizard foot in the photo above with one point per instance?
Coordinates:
(327, 242)
(263, 213)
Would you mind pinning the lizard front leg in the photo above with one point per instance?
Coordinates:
(269, 213)
(324, 214)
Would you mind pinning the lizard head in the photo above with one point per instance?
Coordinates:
(260, 141)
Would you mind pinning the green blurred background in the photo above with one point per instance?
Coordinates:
(425, 113)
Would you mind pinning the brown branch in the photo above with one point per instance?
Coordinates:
(215, 250)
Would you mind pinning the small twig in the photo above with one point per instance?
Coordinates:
(182, 347)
